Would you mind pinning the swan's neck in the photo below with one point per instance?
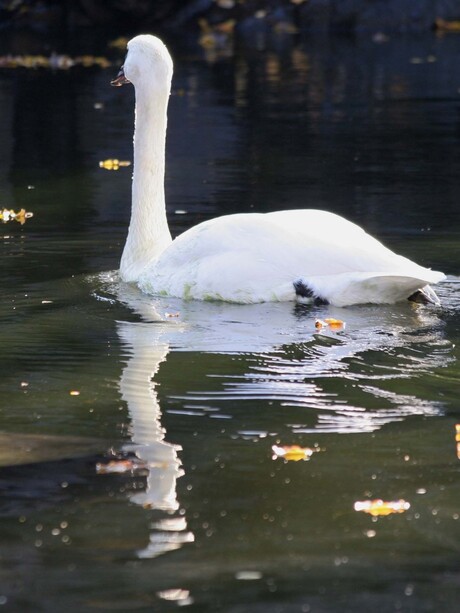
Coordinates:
(148, 233)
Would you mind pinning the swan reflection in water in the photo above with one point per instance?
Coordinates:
(292, 362)
(137, 388)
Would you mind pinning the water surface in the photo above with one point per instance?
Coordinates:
(201, 392)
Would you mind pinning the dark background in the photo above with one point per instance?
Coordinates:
(250, 15)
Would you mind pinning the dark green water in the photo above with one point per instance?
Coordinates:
(371, 131)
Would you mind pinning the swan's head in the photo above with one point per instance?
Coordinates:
(147, 63)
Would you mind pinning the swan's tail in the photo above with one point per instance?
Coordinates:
(426, 295)
(377, 288)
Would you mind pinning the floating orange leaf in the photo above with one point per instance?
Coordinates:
(380, 507)
(334, 324)
(113, 164)
(292, 453)
(457, 439)
(120, 466)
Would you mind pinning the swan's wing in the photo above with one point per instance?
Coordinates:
(336, 246)
(339, 244)
(303, 241)
(258, 257)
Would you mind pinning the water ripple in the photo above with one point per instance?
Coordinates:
(350, 381)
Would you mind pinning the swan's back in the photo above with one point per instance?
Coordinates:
(263, 257)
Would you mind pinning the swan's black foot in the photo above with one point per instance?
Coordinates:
(425, 296)
(306, 294)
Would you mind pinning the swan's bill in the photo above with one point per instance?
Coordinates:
(120, 79)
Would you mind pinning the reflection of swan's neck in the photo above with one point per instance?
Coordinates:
(148, 232)
(138, 390)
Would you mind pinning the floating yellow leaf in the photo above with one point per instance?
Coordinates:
(380, 507)
(22, 215)
(447, 26)
(89, 61)
(334, 324)
(457, 439)
(7, 215)
(54, 61)
(292, 453)
(74, 393)
(119, 43)
(10, 215)
(113, 164)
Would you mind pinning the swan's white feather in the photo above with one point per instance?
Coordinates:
(257, 257)
(246, 257)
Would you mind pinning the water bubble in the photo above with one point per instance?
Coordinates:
(409, 590)
(370, 533)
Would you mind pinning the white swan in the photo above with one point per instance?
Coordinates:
(246, 258)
